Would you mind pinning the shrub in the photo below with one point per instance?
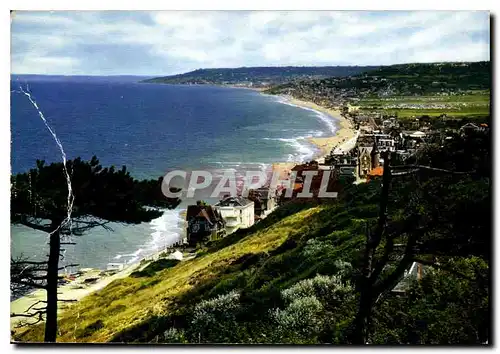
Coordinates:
(344, 269)
(214, 320)
(328, 289)
(174, 335)
(311, 307)
(300, 322)
(154, 267)
(315, 248)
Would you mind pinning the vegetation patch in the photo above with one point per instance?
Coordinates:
(154, 267)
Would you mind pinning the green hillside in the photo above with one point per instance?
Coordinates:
(259, 76)
(293, 278)
(436, 76)
(394, 80)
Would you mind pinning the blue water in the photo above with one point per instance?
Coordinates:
(151, 129)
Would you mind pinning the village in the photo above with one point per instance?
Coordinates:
(359, 160)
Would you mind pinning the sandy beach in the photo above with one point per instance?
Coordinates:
(74, 290)
(344, 134)
(344, 139)
(79, 287)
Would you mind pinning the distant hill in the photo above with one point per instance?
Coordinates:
(436, 76)
(401, 79)
(259, 76)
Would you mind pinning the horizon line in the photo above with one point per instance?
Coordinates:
(269, 66)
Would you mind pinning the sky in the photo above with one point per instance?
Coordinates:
(173, 42)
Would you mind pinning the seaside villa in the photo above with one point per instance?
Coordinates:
(203, 223)
(237, 212)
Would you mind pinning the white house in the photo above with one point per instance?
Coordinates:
(237, 212)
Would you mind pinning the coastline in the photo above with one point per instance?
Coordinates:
(77, 289)
(343, 135)
(344, 138)
(74, 290)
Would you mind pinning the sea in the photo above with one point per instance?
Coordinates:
(151, 129)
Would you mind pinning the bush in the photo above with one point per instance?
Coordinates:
(315, 248)
(344, 269)
(311, 306)
(214, 320)
(154, 267)
(328, 289)
(300, 322)
(174, 335)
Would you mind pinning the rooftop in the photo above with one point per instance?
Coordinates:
(203, 211)
(234, 201)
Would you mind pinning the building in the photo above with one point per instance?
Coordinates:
(204, 223)
(416, 271)
(264, 200)
(345, 164)
(237, 212)
(368, 159)
(385, 142)
(390, 123)
(412, 139)
(471, 127)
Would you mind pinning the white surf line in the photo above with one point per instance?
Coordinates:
(71, 197)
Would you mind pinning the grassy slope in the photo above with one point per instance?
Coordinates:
(128, 309)
(126, 302)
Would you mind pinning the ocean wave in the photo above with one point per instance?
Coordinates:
(325, 118)
(239, 166)
(166, 230)
(304, 151)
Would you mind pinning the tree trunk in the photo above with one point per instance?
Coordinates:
(52, 277)
(367, 293)
(359, 335)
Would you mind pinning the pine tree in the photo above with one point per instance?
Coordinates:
(69, 200)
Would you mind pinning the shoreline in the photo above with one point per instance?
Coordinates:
(344, 134)
(345, 131)
(78, 289)
(344, 138)
(74, 290)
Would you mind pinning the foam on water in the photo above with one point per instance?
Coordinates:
(304, 150)
(325, 118)
(166, 230)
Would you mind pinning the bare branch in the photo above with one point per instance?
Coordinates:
(30, 284)
(421, 167)
(36, 303)
(40, 227)
(35, 277)
(22, 324)
(389, 282)
(40, 308)
(68, 266)
(31, 315)
(28, 262)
